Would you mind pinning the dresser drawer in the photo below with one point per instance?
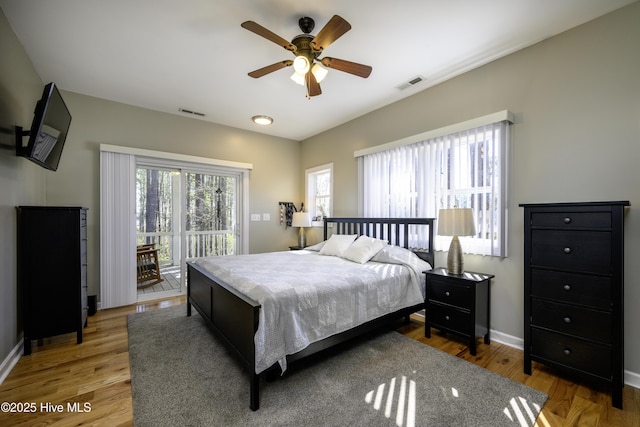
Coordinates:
(582, 322)
(449, 293)
(571, 219)
(449, 317)
(583, 289)
(572, 352)
(588, 251)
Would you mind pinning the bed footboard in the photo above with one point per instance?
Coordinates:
(233, 316)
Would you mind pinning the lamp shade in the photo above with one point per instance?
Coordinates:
(319, 72)
(301, 64)
(456, 222)
(301, 219)
(298, 78)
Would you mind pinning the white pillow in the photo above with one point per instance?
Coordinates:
(363, 249)
(316, 247)
(337, 243)
(398, 255)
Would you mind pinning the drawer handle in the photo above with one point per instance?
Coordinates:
(567, 250)
(567, 320)
(567, 288)
(447, 293)
(446, 317)
(567, 220)
(567, 352)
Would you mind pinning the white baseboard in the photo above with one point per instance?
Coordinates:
(505, 339)
(630, 378)
(10, 361)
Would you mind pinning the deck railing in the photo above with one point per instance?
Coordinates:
(210, 243)
(198, 244)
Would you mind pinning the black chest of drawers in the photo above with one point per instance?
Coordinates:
(573, 290)
(52, 271)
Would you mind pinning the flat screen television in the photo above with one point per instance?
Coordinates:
(51, 121)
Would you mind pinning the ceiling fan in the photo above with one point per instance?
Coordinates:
(307, 48)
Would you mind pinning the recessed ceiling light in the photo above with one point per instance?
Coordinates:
(262, 120)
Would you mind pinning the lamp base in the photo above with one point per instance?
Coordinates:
(302, 240)
(455, 262)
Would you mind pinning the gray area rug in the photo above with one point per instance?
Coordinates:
(182, 375)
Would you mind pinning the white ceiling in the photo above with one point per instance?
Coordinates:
(170, 54)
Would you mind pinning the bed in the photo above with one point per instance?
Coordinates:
(246, 299)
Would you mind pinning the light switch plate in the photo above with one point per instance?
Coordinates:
(266, 217)
(255, 217)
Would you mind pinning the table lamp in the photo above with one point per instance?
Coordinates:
(455, 222)
(302, 220)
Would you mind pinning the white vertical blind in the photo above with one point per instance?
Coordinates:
(117, 229)
(464, 169)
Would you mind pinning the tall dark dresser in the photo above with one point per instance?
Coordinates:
(573, 290)
(52, 271)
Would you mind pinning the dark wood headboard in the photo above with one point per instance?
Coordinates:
(396, 229)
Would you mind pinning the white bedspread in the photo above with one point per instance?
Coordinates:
(306, 297)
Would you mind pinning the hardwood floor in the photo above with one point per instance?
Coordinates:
(96, 373)
(569, 404)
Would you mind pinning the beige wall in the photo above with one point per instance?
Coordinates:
(576, 98)
(21, 182)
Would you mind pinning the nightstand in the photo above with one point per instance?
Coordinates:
(459, 304)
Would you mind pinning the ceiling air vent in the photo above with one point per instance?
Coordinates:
(414, 81)
(195, 113)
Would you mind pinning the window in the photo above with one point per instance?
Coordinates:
(466, 168)
(319, 188)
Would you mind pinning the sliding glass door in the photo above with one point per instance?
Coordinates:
(183, 213)
(158, 231)
(211, 214)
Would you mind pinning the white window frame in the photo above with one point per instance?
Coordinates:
(311, 193)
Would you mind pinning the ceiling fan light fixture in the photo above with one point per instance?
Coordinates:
(306, 49)
(301, 64)
(319, 72)
(262, 120)
(298, 78)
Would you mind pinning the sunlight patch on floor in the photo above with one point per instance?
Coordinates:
(519, 410)
(404, 400)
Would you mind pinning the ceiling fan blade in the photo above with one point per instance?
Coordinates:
(263, 32)
(331, 32)
(313, 87)
(270, 68)
(347, 66)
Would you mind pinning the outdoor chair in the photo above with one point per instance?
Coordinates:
(147, 264)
